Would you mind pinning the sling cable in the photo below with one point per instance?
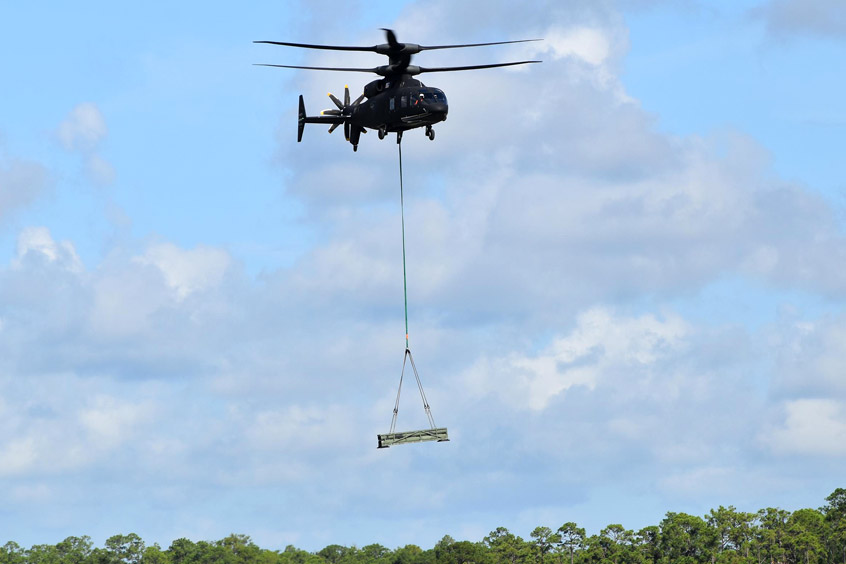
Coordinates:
(433, 433)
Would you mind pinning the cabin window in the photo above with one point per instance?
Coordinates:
(391, 104)
(404, 101)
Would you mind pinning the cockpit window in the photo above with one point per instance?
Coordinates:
(432, 96)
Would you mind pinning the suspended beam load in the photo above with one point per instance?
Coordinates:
(391, 439)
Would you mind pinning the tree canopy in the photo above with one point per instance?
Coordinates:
(723, 536)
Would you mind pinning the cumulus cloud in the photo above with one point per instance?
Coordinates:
(37, 244)
(803, 17)
(187, 271)
(590, 45)
(82, 131)
(21, 182)
(83, 128)
(601, 346)
(811, 361)
(810, 427)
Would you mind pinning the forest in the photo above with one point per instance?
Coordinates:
(723, 536)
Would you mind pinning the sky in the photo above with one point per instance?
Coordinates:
(625, 271)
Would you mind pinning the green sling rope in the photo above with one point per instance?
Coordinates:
(407, 356)
(402, 215)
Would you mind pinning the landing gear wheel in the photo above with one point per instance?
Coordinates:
(430, 133)
(382, 132)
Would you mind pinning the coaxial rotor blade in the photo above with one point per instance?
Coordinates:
(337, 102)
(343, 69)
(326, 47)
(392, 38)
(471, 67)
(431, 47)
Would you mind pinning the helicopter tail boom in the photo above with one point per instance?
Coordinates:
(303, 119)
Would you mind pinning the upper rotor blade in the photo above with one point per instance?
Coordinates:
(430, 47)
(344, 69)
(474, 67)
(392, 38)
(327, 47)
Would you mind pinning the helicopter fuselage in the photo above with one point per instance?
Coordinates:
(400, 105)
(388, 105)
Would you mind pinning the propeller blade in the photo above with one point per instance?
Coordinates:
(334, 127)
(392, 38)
(472, 67)
(358, 100)
(331, 113)
(343, 69)
(431, 47)
(327, 47)
(347, 130)
(337, 102)
(346, 95)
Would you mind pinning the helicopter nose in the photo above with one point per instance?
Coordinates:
(437, 108)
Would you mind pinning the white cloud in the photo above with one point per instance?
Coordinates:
(38, 242)
(601, 347)
(17, 456)
(110, 422)
(82, 131)
(21, 182)
(811, 360)
(588, 44)
(83, 128)
(813, 17)
(810, 427)
(187, 271)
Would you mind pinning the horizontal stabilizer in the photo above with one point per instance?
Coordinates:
(404, 437)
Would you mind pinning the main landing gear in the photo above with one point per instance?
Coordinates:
(430, 133)
(382, 132)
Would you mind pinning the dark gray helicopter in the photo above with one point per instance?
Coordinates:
(394, 103)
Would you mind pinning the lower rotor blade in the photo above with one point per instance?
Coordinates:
(344, 69)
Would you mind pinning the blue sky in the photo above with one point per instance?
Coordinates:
(626, 291)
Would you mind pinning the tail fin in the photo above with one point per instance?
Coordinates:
(301, 120)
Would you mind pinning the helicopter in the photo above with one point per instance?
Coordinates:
(394, 103)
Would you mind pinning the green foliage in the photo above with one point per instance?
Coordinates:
(724, 536)
(506, 548)
(571, 539)
(686, 539)
(12, 553)
(449, 551)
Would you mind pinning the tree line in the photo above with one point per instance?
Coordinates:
(723, 536)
